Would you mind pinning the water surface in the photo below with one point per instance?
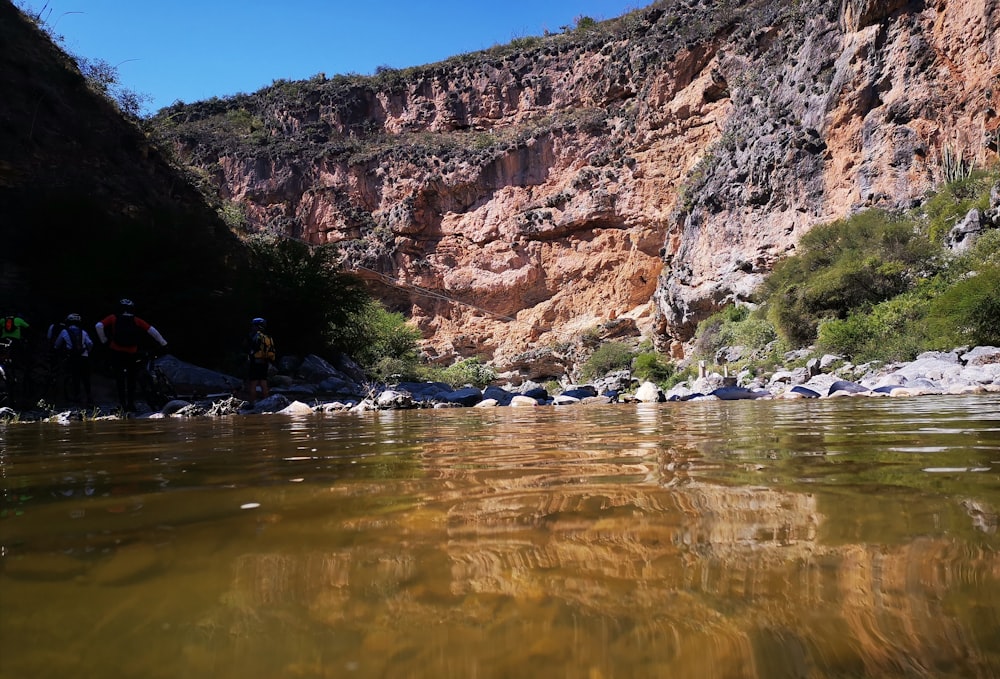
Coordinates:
(842, 538)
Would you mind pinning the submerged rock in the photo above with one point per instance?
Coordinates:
(128, 564)
(43, 566)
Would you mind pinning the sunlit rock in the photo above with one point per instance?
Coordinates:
(296, 408)
(649, 392)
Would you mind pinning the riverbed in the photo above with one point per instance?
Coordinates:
(834, 538)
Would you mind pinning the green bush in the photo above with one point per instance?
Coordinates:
(391, 369)
(984, 253)
(468, 371)
(381, 341)
(755, 333)
(733, 313)
(734, 326)
(607, 358)
(873, 287)
(890, 331)
(954, 200)
(652, 367)
(708, 337)
(969, 310)
(842, 268)
(302, 292)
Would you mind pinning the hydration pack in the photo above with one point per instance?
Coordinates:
(263, 347)
(8, 324)
(125, 332)
(75, 340)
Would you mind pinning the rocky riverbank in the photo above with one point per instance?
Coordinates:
(313, 385)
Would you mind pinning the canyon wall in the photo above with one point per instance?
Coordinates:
(629, 179)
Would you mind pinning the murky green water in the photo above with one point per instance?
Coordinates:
(843, 538)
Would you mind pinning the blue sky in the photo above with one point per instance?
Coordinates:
(189, 50)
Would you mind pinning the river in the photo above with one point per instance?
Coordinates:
(757, 539)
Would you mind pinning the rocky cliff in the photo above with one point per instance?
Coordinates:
(629, 177)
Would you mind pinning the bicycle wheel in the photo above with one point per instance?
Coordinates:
(11, 387)
(4, 391)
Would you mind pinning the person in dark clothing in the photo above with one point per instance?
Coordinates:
(14, 334)
(74, 343)
(260, 356)
(121, 333)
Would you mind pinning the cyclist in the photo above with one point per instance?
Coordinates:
(121, 333)
(75, 344)
(14, 326)
(14, 335)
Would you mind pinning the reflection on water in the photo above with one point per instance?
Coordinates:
(845, 538)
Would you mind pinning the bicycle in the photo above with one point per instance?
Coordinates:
(148, 382)
(152, 383)
(9, 381)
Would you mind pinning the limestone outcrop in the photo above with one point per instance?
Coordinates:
(649, 170)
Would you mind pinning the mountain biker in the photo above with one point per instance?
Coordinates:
(74, 343)
(260, 355)
(14, 327)
(14, 334)
(121, 333)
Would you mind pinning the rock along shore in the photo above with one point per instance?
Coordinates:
(313, 385)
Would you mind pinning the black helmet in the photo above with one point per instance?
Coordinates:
(258, 322)
(126, 306)
(73, 318)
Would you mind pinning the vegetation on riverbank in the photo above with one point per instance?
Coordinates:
(876, 286)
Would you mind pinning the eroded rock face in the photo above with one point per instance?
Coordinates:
(836, 121)
(653, 170)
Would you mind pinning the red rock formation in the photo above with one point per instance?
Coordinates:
(652, 169)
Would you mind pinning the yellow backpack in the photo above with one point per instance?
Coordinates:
(265, 348)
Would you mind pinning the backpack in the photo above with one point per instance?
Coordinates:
(75, 340)
(125, 332)
(263, 347)
(8, 324)
(55, 331)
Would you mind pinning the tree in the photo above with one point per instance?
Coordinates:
(302, 292)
